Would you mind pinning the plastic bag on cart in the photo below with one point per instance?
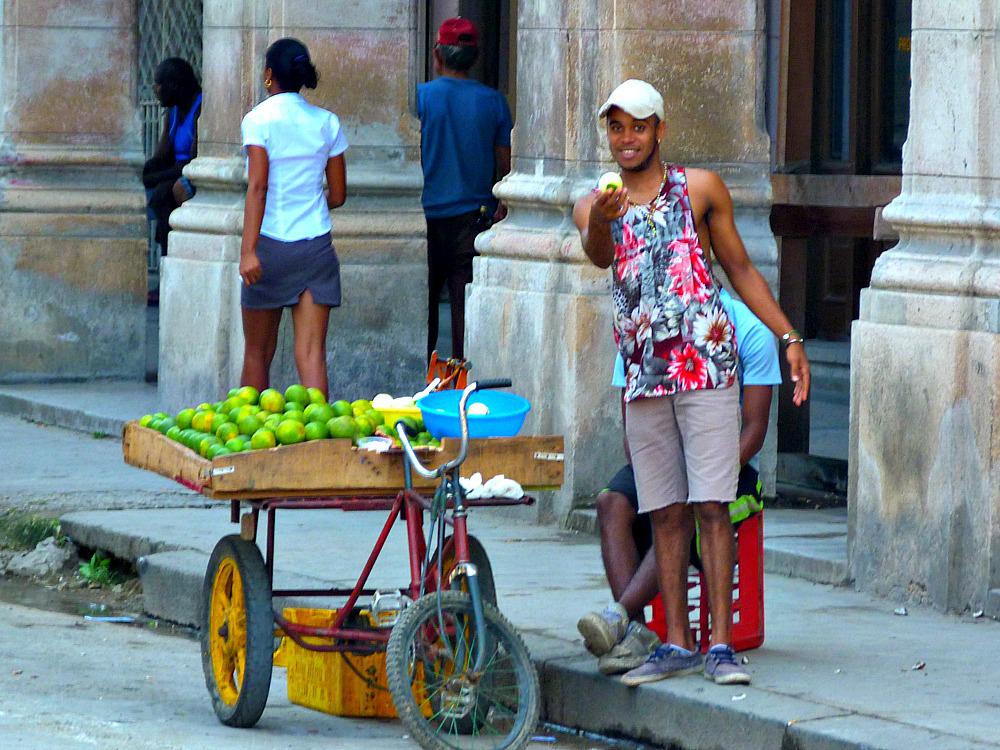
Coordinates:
(498, 486)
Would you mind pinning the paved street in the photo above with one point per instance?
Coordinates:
(837, 669)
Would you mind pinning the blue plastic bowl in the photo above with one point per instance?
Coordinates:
(507, 413)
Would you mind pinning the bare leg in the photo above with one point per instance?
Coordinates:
(641, 588)
(717, 555)
(672, 530)
(260, 336)
(618, 551)
(310, 321)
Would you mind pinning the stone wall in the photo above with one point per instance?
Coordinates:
(925, 362)
(72, 228)
(538, 310)
(365, 54)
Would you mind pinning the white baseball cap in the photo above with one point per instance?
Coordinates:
(636, 97)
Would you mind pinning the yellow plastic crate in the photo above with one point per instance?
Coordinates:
(323, 681)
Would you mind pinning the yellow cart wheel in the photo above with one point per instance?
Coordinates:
(237, 632)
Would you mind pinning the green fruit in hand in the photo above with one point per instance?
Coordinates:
(609, 181)
(297, 393)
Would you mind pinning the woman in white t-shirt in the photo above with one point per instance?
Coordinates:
(287, 258)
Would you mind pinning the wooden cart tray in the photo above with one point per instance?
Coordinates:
(336, 467)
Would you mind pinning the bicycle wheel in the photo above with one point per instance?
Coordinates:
(237, 632)
(429, 659)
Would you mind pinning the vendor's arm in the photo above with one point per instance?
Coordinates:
(708, 189)
(336, 181)
(756, 409)
(593, 215)
(253, 213)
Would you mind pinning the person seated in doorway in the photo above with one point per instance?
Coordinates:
(618, 635)
(177, 88)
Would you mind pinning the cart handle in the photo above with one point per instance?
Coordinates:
(463, 418)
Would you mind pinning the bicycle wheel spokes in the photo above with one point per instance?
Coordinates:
(440, 697)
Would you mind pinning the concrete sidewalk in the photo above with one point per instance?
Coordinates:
(836, 669)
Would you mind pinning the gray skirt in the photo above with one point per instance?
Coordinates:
(289, 268)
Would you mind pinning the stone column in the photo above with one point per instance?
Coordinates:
(924, 493)
(72, 227)
(538, 310)
(365, 56)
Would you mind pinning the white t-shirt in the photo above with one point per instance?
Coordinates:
(299, 138)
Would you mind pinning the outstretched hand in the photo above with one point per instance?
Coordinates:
(609, 205)
(798, 367)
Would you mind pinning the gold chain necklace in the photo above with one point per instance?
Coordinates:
(649, 206)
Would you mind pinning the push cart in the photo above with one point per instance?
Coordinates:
(458, 672)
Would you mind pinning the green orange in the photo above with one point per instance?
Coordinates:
(342, 408)
(316, 396)
(293, 406)
(263, 438)
(297, 393)
(365, 426)
(319, 413)
(290, 431)
(316, 431)
(184, 417)
(227, 431)
(249, 424)
(249, 394)
(272, 401)
(342, 427)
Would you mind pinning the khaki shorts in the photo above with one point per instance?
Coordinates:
(686, 447)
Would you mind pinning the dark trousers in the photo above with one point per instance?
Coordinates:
(450, 250)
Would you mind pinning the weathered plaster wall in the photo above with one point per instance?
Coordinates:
(924, 488)
(364, 54)
(72, 247)
(538, 310)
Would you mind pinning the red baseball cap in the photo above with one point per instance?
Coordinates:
(458, 32)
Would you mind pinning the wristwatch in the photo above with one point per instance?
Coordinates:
(792, 337)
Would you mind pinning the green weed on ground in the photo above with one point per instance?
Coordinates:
(22, 531)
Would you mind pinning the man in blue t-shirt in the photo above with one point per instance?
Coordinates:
(616, 635)
(464, 150)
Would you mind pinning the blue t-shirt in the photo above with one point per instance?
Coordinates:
(461, 121)
(755, 344)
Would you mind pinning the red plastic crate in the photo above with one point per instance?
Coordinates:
(748, 594)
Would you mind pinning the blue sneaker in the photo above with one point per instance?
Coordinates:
(666, 661)
(722, 668)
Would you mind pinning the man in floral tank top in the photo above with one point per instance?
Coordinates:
(658, 233)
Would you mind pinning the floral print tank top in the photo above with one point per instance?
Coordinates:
(669, 323)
